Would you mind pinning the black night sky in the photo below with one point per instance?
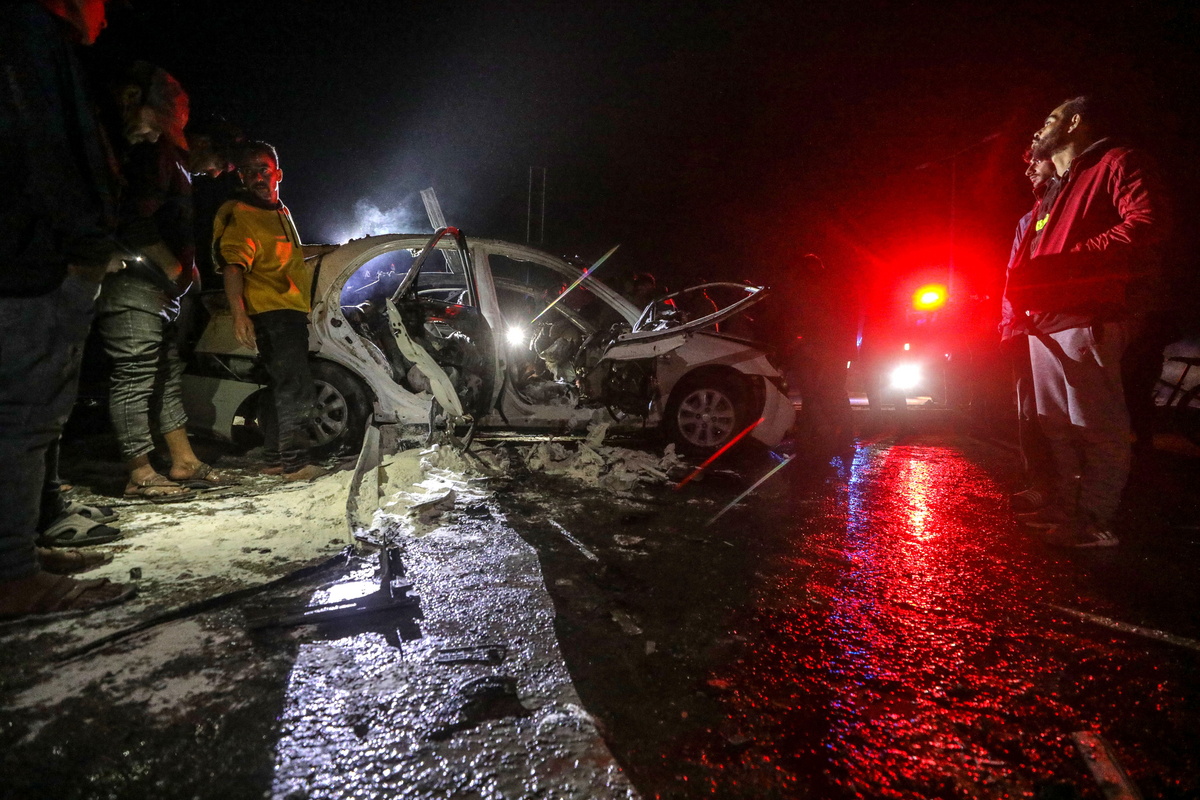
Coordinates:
(712, 140)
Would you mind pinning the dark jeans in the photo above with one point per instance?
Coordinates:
(41, 346)
(137, 322)
(283, 350)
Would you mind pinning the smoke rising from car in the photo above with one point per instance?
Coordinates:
(371, 220)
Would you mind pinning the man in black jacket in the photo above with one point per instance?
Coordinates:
(55, 221)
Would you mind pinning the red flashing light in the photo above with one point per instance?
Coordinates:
(929, 298)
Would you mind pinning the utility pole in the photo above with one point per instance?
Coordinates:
(529, 208)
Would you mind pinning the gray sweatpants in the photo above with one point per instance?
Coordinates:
(1081, 409)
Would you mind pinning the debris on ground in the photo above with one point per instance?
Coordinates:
(618, 470)
(419, 489)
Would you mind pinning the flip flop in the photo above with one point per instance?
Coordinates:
(76, 530)
(158, 489)
(205, 477)
(58, 561)
(65, 596)
(94, 513)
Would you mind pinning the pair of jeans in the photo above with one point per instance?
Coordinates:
(41, 348)
(283, 351)
(137, 322)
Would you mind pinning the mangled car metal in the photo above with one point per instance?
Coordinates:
(420, 330)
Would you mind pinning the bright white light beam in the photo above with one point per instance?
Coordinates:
(578, 281)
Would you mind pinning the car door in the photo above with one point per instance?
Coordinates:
(435, 317)
(666, 324)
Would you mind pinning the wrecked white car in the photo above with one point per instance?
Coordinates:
(415, 330)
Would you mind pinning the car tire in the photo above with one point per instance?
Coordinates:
(343, 405)
(705, 412)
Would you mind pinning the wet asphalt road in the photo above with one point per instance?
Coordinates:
(876, 627)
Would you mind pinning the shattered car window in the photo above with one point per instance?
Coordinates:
(378, 279)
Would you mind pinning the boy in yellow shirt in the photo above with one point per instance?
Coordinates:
(257, 250)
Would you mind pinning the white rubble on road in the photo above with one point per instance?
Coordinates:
(619, 470)
(418, 489)
(228, 542)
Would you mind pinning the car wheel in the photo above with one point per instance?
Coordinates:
(343, 405)
(705, 412)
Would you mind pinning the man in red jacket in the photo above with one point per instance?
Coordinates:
(1082, 271)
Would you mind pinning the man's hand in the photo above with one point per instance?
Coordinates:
(243, 330)
(235, 285)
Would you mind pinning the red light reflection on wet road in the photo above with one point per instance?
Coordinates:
(902, 648)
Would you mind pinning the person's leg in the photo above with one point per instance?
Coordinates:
(1053, 415)
(41, 346)
(132, 337)
(167, 401)
(1036, 460)
(53, 503)
(1141, 366)
(828, 395)
(1098, 414)
(284, 350)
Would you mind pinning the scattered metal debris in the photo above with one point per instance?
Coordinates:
(588, 554)
(366, 478)
(393, 593)
(1097, 753)
(202, 606)
(1125, 627)
(475, 654)
(626, 623)
(757, 483)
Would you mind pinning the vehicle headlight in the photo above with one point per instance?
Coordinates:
(906, 376)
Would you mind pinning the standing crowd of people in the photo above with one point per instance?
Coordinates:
(1079, 309)
(99, 223)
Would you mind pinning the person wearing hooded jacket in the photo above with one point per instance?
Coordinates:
(1084, 269)
(140, 305)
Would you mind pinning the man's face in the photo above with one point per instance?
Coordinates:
(260, 176)
(141, 123)
(1053, 135)
(1039, 171)
(202, 158)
